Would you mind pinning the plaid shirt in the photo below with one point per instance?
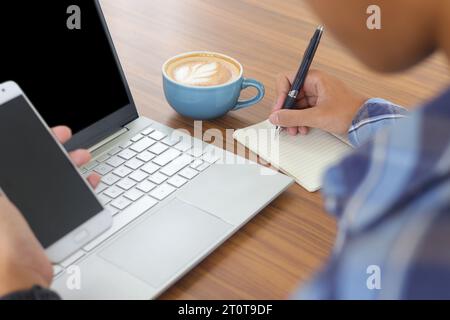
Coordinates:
(392, 201)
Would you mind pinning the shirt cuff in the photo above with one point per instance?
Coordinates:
(35, 293)
(375, 114)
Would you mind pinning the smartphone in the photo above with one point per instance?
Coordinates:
(37, 175)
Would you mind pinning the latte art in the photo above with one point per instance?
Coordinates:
(203, 71)
(202, 74)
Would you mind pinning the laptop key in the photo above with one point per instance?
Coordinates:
(184, 145)
(177, 181)
(101, 187)
(197, 163)
(147, 131)
(167, 157)
(126, 184)
(115, 161)
(113, 192)
(134, 164)
(127, 154)
(146, 186)
(103, 169)
(134, 194)
(197, 151)
(177, 165)
(189, 173)
(146, 156)
(104, 200)
(157, 178)
(157, 135)
(204, 166)
(171, 140)
(126, 144)
(137, 137)
(150, 168)
(158, 148)
(122, 219)
(121, 203)
(163, 191)
(138, 176)
(122, 172)
(142, 145)
(110, 179)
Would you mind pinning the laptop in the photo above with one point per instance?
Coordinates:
(174, 199)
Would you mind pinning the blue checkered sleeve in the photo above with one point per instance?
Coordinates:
(374, 115)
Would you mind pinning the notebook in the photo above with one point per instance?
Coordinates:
(305, 158)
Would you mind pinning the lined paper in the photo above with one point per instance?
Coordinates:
(305, 158)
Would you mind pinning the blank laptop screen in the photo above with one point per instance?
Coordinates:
(69, 74)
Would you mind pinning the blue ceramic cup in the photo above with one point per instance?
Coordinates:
(209, 102)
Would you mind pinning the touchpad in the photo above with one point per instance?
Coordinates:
(166, 243)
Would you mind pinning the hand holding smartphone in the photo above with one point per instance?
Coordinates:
(36, 174)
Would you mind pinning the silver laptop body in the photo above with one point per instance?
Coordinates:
(181, 201)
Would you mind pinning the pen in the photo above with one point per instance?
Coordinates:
(302, 73)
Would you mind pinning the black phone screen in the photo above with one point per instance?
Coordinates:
(38, 177)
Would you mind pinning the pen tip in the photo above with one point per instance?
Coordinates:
(321, 28)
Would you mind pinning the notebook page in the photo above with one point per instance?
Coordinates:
(305, 158)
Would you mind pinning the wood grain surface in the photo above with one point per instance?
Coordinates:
(292, 238)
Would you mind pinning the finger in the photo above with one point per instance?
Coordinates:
(313, 82)
(296, 118)
(62, 133)
(303, 103)
(293, 131)
(94, 180)
(283, 86)
(280, 102)
(303, 131)
(80, 157)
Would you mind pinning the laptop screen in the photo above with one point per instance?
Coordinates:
(62, 59)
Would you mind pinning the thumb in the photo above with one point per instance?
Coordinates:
(295, 118)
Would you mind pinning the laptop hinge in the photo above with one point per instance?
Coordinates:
(108, 139)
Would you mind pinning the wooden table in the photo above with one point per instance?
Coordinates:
(292, 238)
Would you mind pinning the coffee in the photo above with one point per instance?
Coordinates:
(203, 70)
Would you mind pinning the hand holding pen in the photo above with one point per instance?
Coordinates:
(302, 73)
(324, 102)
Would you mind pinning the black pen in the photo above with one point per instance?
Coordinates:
(302, 73)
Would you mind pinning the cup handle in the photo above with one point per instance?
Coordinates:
(250, 102)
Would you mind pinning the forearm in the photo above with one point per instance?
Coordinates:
(375, 115)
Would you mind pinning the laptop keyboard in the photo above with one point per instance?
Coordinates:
(139, 174)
